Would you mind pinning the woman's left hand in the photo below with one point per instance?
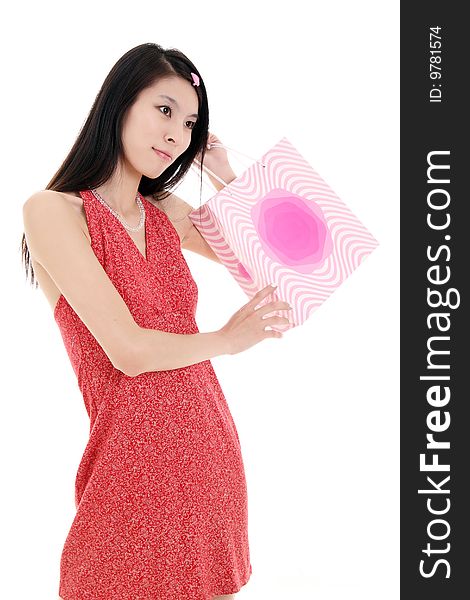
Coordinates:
(215, 159)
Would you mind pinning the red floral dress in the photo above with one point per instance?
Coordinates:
(160, 491)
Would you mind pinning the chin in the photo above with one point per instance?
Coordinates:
(153, 174)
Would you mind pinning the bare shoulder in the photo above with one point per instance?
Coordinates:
(173, 206)
(71, 198)
(45, 199)
(161, 204)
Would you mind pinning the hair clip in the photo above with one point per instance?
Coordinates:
(195, 78)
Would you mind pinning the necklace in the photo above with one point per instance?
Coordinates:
(118, 216)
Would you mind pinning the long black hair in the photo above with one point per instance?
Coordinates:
(98, 147)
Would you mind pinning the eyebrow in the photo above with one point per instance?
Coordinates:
(170, 99)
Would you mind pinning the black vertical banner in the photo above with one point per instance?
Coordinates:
(434, 265)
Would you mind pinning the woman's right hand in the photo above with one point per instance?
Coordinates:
(247, 326)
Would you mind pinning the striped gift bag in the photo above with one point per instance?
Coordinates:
(280, 222)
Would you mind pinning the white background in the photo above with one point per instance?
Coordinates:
(317, 411)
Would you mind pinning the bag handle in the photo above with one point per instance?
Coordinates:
(215, 145)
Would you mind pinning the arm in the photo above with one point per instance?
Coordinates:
(57, 242)
(175, 350)
(194, 241)
(228, 175)
(178, 211)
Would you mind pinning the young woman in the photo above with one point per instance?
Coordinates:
(160, 490)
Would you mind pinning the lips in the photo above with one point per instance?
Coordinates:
(162, 154)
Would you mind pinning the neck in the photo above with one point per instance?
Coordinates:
(120, 193)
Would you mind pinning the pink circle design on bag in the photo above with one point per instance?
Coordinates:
(292, 231)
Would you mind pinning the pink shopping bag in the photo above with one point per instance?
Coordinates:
(280, 222)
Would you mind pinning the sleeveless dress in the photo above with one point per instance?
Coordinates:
(160, 491)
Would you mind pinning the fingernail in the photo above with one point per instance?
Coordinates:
(273, 285)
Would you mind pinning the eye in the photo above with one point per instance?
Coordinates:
(193, 123)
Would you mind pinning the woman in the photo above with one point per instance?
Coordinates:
(160, 490)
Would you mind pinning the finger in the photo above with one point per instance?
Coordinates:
(269, 289)
(260, 295)
(271, 333)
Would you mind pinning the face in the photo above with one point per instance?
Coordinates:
(154, 121)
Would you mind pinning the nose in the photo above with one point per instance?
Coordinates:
(175, 138)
